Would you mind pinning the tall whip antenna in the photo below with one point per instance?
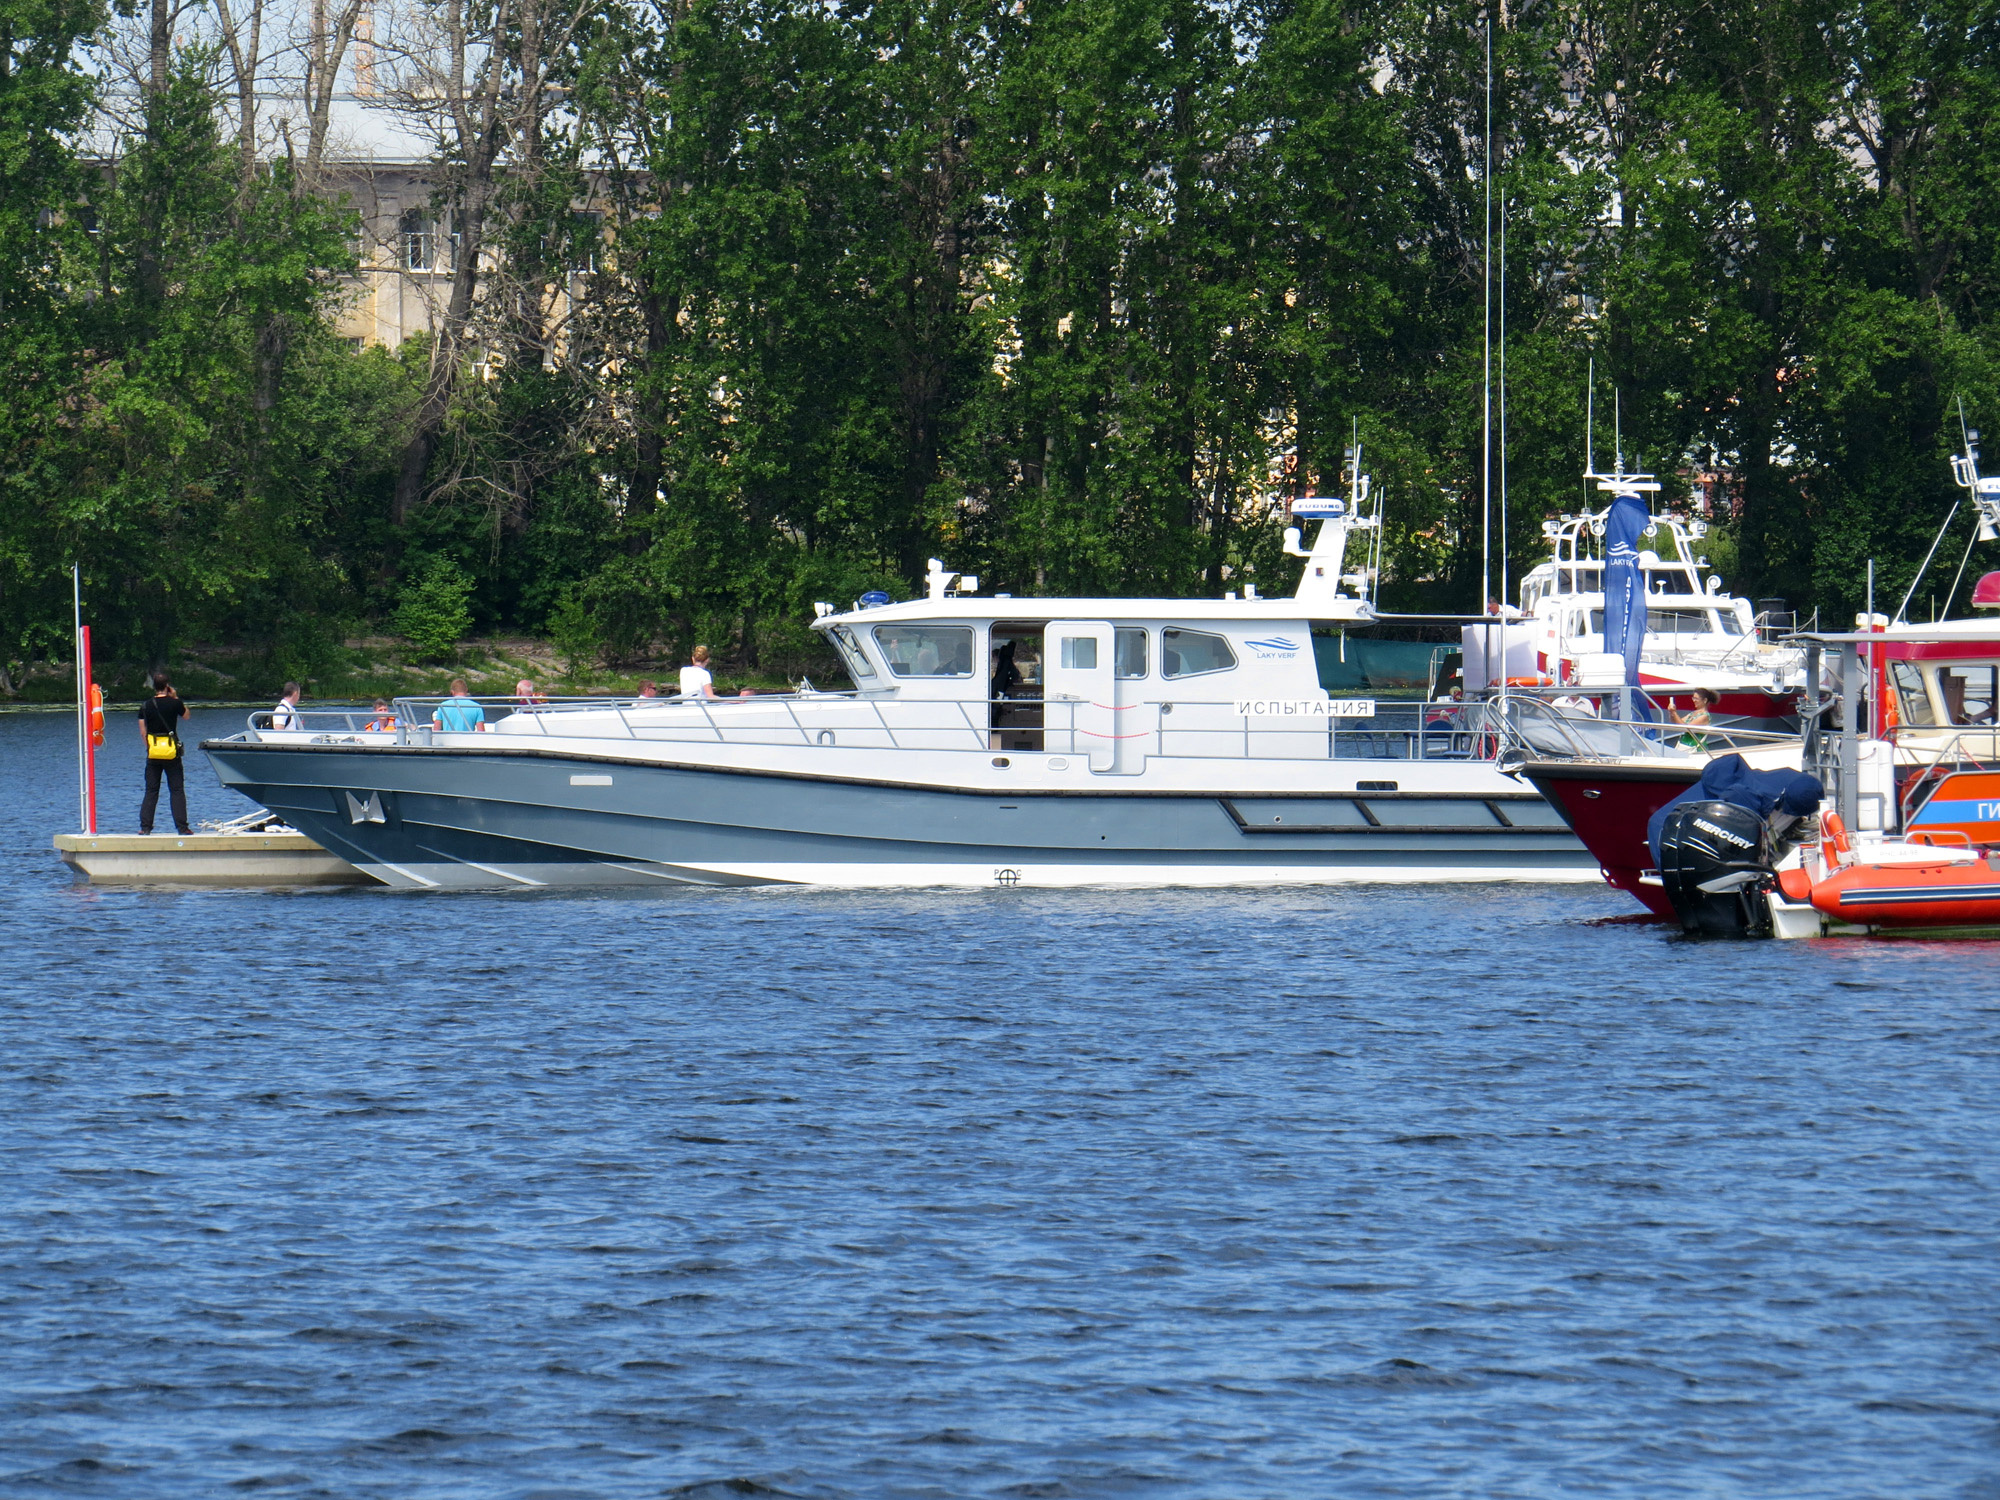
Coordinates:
(1589, 417)
(1486, 399)
(1504, 555)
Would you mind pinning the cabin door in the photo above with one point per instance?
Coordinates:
(1079, 693)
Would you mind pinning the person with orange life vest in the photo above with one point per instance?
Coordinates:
(159, 717)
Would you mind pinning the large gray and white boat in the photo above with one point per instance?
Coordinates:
(988, 741)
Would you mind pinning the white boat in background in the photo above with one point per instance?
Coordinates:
(1697, 636)
(990, 741)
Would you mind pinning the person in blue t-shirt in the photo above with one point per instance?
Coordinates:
(458, 712)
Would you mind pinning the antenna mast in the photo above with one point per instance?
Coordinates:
(1504, 556)
(1486, 399)
(1589, 419)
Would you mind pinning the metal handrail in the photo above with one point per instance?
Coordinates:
(1927, 781)
(328, 720)
(1479, 729)
(1632, 738)
(1164, 727)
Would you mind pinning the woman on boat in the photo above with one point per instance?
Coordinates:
(1695, 720)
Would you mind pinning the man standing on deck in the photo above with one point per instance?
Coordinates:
(158, 717)
(286, 715)
(459, 713)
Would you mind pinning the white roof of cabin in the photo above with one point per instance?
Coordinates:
(985, 609)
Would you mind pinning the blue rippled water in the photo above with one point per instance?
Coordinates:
(1358, 1191)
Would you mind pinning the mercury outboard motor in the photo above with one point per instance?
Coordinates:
(1715, 865)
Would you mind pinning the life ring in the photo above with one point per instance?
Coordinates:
(1833, 836)
(1538, 680)
(96, 715)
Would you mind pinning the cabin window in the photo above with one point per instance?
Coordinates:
(1968, 694)
(1079, 653)
(1911, 696)
(926, 650)
(1665, 622)
(1190, 653)
(1130, 652)
(858, 664)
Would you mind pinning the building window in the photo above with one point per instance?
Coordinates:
(417, 240)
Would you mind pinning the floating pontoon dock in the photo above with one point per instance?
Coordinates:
(213, 859)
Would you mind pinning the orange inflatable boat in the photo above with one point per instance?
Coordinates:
(1893, 884)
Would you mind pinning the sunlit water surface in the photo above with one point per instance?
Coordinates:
(1359, 1191)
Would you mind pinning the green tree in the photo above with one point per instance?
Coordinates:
(434, 613)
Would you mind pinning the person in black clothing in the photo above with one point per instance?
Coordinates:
(159, 715)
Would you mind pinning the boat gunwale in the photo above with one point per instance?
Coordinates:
(584, 758)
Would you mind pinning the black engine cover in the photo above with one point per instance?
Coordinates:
(1703, 842)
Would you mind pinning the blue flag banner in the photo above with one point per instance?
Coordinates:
(1624, 584)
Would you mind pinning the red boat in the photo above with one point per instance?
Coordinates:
(1607, 805)
(1921, 801)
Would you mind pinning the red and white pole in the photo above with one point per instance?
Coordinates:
(82, 705)
(92, 732)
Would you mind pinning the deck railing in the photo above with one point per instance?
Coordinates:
(1937, 750)
(1517, 722)
(1536, 728)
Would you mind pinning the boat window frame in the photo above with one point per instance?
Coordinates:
(851, 652)
(1120, 635)
(1228, 651)
(889, 659)
(1992, 698)
(1912, 684)
(1679, 611)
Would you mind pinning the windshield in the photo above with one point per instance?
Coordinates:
(856, 660)
(1673, 622)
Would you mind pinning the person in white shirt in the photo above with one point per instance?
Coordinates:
(286, 715)
(697, 681)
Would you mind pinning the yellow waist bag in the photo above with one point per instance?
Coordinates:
(162, 747)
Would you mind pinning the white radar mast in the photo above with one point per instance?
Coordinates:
(1319, 590)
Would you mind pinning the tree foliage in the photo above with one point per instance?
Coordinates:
(792, 296)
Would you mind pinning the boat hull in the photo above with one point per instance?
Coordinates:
(427, 817)
(1908, 898)
(1608, 807)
